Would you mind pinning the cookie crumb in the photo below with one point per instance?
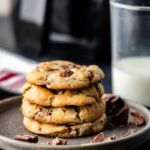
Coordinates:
(59, 141)
(27, 138)
(98, 138)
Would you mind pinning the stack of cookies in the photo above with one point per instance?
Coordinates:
(63, 99)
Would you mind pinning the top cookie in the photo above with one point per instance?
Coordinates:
(64, 75)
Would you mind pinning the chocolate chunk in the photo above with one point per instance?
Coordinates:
(42, 111)
(27, 138)
(46, 112)
(121, 117)
(113, 103)
(66, 73)
(117, 109)
(138, 120)
(98, 138)
(59, 141)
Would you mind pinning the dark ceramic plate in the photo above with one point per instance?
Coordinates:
(11, 124)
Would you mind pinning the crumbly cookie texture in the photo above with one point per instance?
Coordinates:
(64, 75)
(63, 130)
(63, 115)
(58, 98)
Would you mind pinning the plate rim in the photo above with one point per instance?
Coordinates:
(14, 142)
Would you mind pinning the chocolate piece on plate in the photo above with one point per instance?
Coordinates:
(27, 138)
(98, 138)
(59, 141)
(117, 109)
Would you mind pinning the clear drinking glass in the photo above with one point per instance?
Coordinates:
(130, 28)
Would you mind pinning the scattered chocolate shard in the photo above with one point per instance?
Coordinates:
(121, 117)
(66, 73)
(98, 138)
(138, 119)
(117, 109)
(59, 141)
(113, 103)
(101, 138)
(27, 138)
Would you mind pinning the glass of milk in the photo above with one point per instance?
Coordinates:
(130, 30)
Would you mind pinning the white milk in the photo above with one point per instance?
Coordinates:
(131, 79)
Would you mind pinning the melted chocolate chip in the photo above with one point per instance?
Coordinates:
(66, 73)
(46, 112)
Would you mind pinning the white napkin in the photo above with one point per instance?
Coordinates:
(14, 62)
(12, 71)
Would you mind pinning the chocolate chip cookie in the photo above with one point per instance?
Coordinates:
(65, 130)
(64, 75)
(57, 98)
(63, 115)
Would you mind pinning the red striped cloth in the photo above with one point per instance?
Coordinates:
(11, 81)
